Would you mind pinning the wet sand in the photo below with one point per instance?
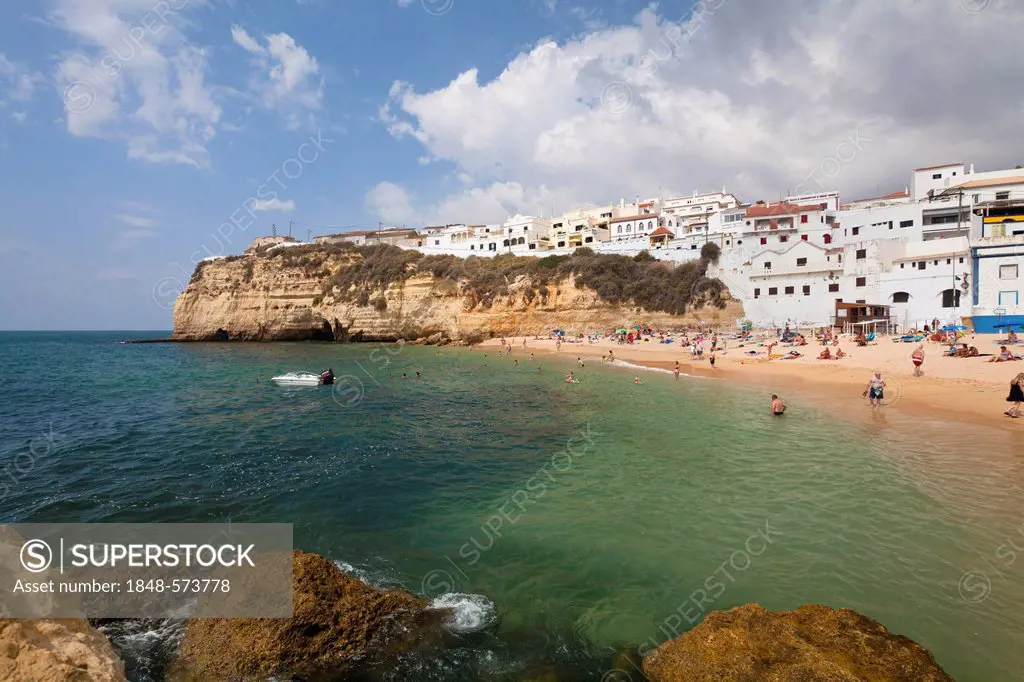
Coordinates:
(958, 389)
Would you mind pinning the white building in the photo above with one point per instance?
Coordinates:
(684, 215)
(997, 265)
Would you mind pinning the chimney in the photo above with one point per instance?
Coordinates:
(971, 172)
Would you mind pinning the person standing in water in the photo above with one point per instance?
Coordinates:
(1016, 396)
(875, 390)
(675, 370)
(918, 358)
(711, 358)
(778, 407)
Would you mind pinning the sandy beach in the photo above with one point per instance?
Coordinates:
(959, 389)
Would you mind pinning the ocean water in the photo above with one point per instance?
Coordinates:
(564, 522)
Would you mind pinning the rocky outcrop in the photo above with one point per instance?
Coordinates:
(749, 643)
(339, 624)
(258, 298)
(60, 650)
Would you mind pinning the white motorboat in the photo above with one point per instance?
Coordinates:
(297, 379)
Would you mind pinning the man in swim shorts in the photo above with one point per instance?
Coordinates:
(778, 407)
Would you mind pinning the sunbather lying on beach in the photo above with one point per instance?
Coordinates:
(1005, 355)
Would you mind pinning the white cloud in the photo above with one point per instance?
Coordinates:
(17, 82)
(393, 204)
(756, 100)
(288, 77)
(494, 203)
(19, 116)
(245, 41)
(135, 220)
(274, 205)
(134, 77)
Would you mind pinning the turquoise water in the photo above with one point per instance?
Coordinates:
(670, 499)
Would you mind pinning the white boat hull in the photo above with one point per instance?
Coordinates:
(297, 379)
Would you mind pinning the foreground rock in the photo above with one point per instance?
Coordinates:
(810, 644)
(339, 623)
(60, 650)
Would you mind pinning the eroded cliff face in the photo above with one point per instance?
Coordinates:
(267, 299)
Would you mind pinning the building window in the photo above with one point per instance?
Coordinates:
(619, 230)
(1002, 196)
(905, 223)
(533, 246)
(862, 281)
(649, 224)
(803, 237)
(807, 290)
(800, 262)
(1007, 272)
(588, 240)
(561, 244)
(803, 218)
(828, 239)
(862, 254)
(961, 260)
(832, 288)
(856, 231)
(935, 262)
(772, 291)
(902, 265)
(1008, 298)
(789, 290)
(767, 265)
(764, 240)
(757, 293)
(783, 239)
(977, 198)
(951, 298)
(900, 297)
(922, 265)
(949, 261)
(936, 176)
(840, 258)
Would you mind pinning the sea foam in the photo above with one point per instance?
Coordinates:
(469, 612)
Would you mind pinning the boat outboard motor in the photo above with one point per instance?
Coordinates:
(327, 377)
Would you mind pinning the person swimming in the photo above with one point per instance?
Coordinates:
(636, 380)
(570, 378)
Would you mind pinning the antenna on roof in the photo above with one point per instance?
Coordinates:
(273, 230)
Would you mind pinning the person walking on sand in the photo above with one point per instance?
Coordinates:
(918, 358)
(875, 390)
(778, 407)
(1016, 396)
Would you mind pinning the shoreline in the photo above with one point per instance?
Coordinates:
(962, 390)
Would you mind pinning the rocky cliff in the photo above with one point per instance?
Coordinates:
(301, 294)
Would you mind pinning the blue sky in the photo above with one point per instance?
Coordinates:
(118, 163)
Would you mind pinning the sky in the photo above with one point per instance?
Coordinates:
(140, 136)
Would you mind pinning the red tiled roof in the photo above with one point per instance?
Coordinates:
(663, 231)
(765, 210)
(646, 216)
(945, 165)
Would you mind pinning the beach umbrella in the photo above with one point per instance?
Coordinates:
(954, 328)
